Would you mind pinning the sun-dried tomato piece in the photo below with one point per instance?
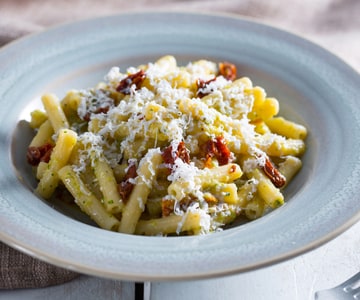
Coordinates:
(35, 155)
(98, 110)
(217, 148)
(98, 101)
(227, 70)
(274, 175)
(209, 150)
(224, 154)
(202, 87)
(181, 152)
(168, 205)
(47, 154)
(125, 187)
(133, 79)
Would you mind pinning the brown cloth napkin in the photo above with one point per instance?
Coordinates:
(334, 24)
(18, 270)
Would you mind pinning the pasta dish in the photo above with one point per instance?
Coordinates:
(163, 149)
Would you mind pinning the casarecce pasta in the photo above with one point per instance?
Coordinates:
(163, 149)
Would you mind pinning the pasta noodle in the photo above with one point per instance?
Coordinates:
(60, 155)
(163, 149)
(145, 180)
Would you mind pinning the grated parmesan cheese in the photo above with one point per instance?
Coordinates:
(127, 119)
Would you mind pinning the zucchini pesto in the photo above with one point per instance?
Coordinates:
(162, 149)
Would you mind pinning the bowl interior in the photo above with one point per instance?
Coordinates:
(293, 103)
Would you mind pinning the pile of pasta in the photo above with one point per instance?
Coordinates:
(162, 149)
